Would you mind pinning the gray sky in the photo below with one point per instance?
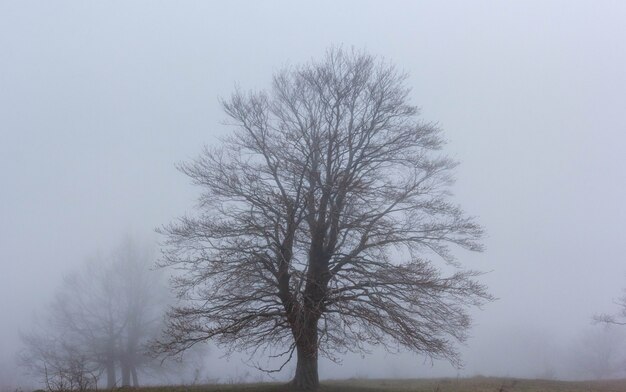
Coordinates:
(99, 100)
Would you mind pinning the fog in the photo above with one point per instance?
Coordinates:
(100, 100)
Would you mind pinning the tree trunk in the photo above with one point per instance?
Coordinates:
(133, 372)
(306, 377)
(111, 378)
(125, 372)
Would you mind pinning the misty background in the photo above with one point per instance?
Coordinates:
(99, 101)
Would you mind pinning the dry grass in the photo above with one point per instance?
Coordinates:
(476, 384)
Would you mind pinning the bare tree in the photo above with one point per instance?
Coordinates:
(615, 319)
(62, 365)
(611, 348)
(598, 353)
(144, 303)
(99, 321)
(319, 224)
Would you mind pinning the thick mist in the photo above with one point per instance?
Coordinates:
(100, 101)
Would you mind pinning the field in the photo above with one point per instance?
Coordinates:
(476, 384)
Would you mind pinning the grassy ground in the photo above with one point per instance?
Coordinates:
(476, 384)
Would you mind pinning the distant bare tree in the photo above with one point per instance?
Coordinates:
(316, 223)
(99, 321)
(619, 319)
(599, 353)
(616, 319)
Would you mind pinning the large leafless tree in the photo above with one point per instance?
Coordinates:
(320, 224)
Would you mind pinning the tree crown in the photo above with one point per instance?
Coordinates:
(328, 202)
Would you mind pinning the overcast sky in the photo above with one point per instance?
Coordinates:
(99, 100)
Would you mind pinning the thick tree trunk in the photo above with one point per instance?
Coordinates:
(304, 323)
(306, 377)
